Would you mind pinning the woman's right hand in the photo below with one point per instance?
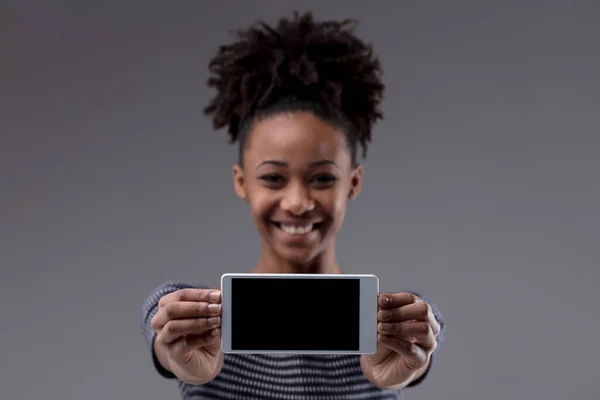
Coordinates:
(188, 337)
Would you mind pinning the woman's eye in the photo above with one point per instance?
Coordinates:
(271, 178)
(324, 179)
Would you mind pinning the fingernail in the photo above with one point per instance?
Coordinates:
(214, 308)
(383, 300)
(385, 314)
(214, 320)
(386, 327)
(214, 296)
(214, 332)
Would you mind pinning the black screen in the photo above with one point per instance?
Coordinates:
(295, 314)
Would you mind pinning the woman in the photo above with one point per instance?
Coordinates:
(299, 99)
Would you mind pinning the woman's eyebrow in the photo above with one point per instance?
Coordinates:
(280, 163)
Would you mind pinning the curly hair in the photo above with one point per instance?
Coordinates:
(298, 65)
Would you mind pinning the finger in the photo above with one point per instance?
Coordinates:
(404, 329)
(435, 325)
(394, 300)
(420, 311)
(190, 294)
(178, 328)
(183, 310)
(193, 342)
(414, 356)
(414, 311)
(420, 333)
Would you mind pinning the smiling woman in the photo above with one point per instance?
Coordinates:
(299, 98)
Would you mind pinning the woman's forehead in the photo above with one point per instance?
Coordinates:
(298, 136)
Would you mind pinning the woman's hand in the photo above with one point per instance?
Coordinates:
(188, 334)
(407, 336)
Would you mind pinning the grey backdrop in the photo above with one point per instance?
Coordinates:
(481, 186)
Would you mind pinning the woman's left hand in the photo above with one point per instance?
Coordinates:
(407, 336)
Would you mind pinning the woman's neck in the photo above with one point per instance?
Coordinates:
(324, 263)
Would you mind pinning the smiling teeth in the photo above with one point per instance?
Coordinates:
(297, 230)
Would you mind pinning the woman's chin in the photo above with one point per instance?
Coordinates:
(301, 259)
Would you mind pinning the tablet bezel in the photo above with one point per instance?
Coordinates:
(369, 290)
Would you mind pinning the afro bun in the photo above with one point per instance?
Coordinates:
(319, 63)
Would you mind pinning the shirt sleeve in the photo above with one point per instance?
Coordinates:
(440, 338)
(149, 310)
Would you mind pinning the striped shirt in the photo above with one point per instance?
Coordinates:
(274, 376)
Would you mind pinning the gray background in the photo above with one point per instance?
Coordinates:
(481, 186)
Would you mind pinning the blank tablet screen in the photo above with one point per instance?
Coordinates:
(275, 314)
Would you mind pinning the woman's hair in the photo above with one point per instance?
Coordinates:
(298, 65)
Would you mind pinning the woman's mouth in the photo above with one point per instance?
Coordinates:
(297, 229)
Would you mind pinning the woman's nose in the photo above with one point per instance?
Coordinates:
(297, 201)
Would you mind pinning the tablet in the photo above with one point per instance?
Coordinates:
(299, 313)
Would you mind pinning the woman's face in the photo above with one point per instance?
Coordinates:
(297, 177)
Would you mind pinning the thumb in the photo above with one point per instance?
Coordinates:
(414, 356)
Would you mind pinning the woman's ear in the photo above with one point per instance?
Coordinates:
(239, 182)
(356, 178)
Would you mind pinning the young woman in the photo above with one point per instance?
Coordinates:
(300, 99)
